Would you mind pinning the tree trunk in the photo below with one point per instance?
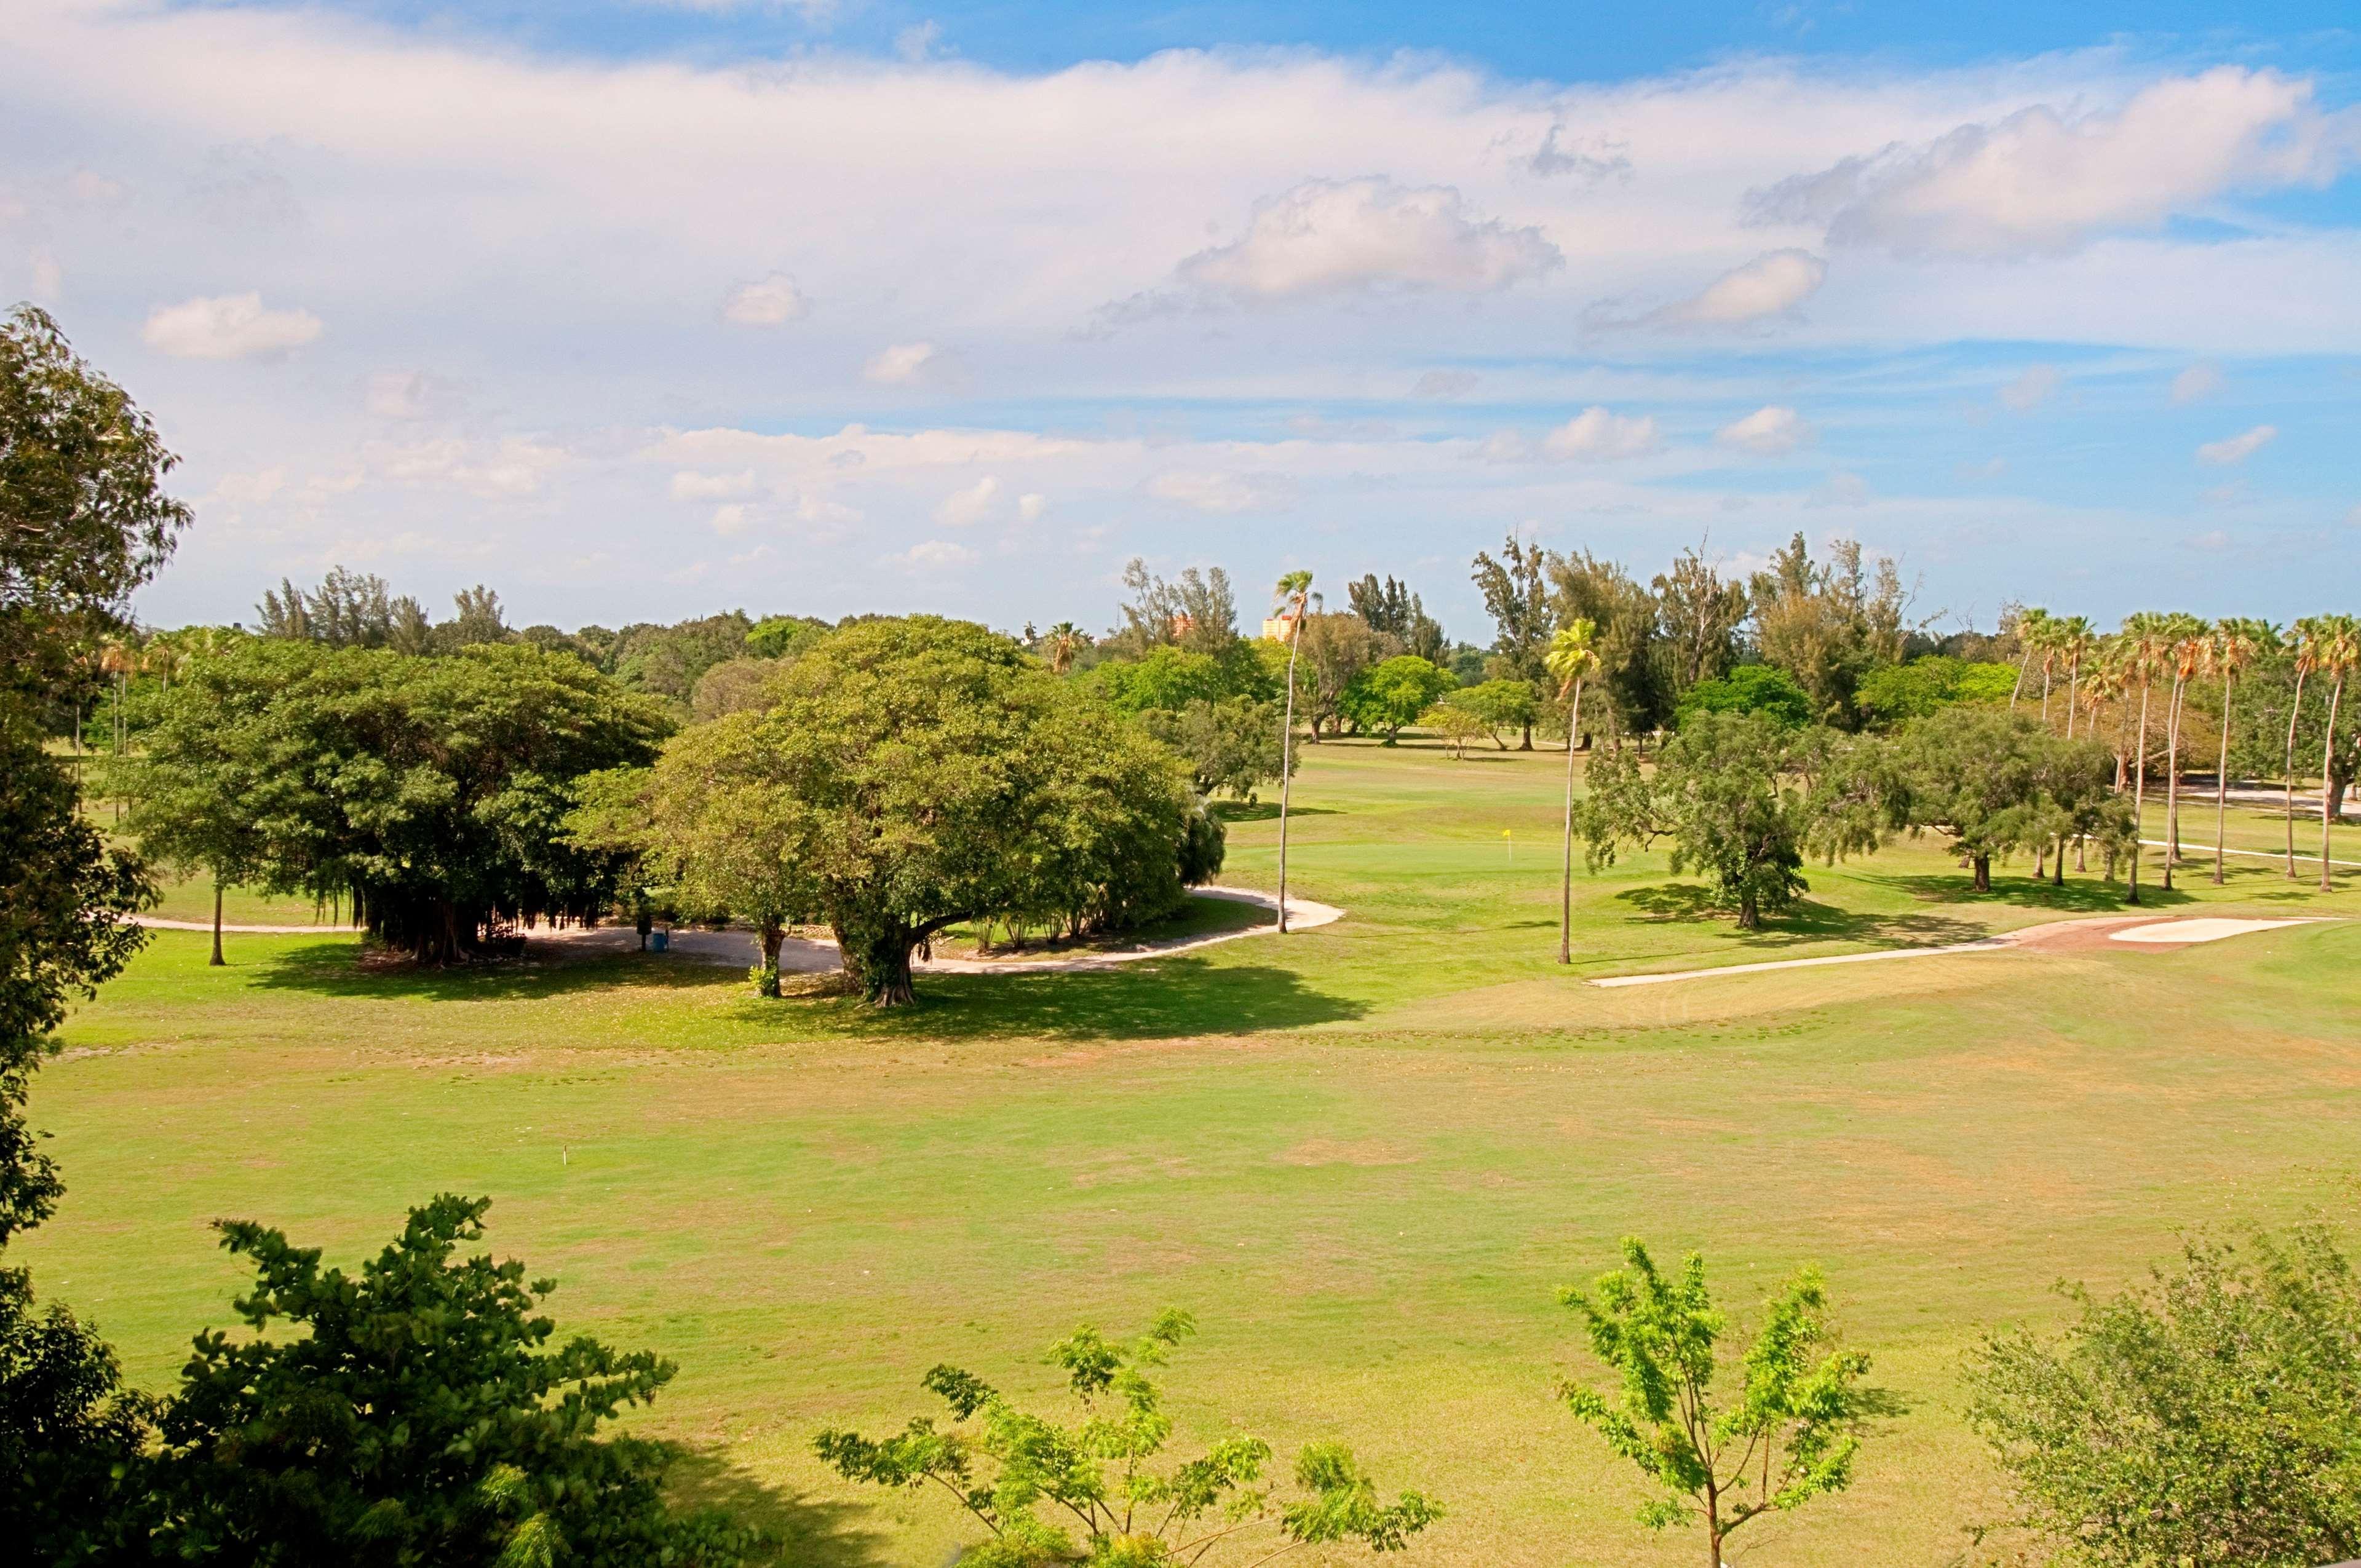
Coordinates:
(767, 983)
(1750, 911)
(2328, 802)
(888, 979)
(2222, 782)
(2139, 793)
(1287, 774)
(1529, 737)
(2073, 687)
(215, 961)
(1982, 866)
(2295, 711)
(2172, 782)
(1565, 887)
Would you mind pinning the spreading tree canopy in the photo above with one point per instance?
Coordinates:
(911, 774)
(1743, 800)
(431, 791)
(1996, 782)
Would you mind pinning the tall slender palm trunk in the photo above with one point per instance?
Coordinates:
(2073, 687)
(2295, 711)
(2222, 782)
(1565, 884)
(2139, 794)
(2327, 757)
(2172, 782)
(215, 961)
(1286, 770)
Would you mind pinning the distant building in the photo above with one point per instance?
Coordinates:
(1281, 627)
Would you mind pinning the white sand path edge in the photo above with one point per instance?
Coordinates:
(2173, 933)
(814, 955)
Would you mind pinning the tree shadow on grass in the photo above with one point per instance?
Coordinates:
(1807, 920)
(1265, 810)
(2080, 894)
(330, 968)
(1155, 999)
(804, 1531)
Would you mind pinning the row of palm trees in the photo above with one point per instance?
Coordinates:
(2173, 651)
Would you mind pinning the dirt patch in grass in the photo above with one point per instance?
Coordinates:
(1358, 1151)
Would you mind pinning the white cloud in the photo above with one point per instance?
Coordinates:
(935, 555)
(1217, 492)
(1772, 284)
(1444, 385)
(249, 489)
(774, 300)
(733, 519)
(964, 509)
(689, 484)
(2212, 542)
(49, 278)
(903, 364)
(2200, 381)
(1840, 489)
(1331, 236)
(2238, 448)
(2039, 183)
(1598, 435)
(1769, 432)
(231, 326)
(88, 187)
(409, 395)
(2033, 387)
(509, 468)
(1030, 508)
(918, 41)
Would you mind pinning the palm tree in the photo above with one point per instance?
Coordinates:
(1291, 597)
(2032, 625)
(2307, 659)
(2074, 643)
(119, 657)
(2184, 653)
(2144, 640)
(2234, 647)
(2340, 651)
(1572, 659)
(1063, 641)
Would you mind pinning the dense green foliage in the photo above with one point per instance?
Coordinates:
(1750, 688)
(1743, 800)
(911, 774)
(1384, 698)
(1107, 1501)
(1788, 1438)
(430, 792)
(1232, 744)
(1895, 694)
(2213, 1417)
(421, 1412)
(1998, 783)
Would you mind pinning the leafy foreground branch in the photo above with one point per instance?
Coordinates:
(2212, 1417)
(1787, 1439)
(1092, 1493)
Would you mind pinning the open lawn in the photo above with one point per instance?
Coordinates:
(1364, 1156)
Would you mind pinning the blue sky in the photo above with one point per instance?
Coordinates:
(640, 310)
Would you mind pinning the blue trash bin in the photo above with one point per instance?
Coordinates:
(661, 941)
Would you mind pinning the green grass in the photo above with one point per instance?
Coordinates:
(1365, 1156)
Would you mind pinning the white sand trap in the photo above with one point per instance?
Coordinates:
(2207, 930)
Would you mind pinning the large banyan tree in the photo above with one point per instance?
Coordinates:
(429, 792)
(904, 776)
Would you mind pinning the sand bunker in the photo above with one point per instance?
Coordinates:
(2179, 933)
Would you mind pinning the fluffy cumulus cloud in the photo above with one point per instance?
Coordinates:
(227, 326)
(903, 364)
(1598, 435)
(2236, 449)
(1769, 432)
(1773, 284)
(2042, 183)
(1330, 236)
(935, 555)
(967, 507)
(774, 300)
